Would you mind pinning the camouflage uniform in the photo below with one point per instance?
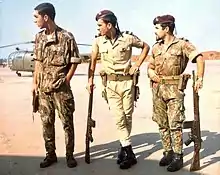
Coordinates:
(116, 62)
(168, 100)
(56, 53)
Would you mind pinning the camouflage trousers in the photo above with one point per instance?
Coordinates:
(121, 103)
(168, 113)
(62, 100)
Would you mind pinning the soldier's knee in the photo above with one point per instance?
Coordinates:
(47, 119)
(177, 124)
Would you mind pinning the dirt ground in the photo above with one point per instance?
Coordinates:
(22, 146)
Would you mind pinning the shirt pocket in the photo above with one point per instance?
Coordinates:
(104, 53)
(57, 56)
(175, 62)
(124, 52)
(175, 57)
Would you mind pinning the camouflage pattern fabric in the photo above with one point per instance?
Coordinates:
(168, 100)
(56, 53)
(63, 101)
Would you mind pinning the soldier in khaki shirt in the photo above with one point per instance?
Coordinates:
(170, 56)
(56, 59)
(115, 48)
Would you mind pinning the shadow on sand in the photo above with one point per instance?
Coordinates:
(103, 159)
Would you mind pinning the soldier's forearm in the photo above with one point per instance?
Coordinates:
(143, 54)
(71, 71)
(200, 67)
(36, 67)
(92, 68)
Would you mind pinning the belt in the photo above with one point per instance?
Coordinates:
(118, 77)
(170, 79)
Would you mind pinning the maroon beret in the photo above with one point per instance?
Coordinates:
(106, 15)
(164, 19)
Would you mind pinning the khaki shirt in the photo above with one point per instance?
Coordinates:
(55, 53)
(173, 59)
(116, 57)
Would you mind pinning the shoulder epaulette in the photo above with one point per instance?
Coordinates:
(182, 38)
(127, 32)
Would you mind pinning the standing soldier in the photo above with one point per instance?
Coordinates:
(117, 74)
(170, 56)
(57, 57)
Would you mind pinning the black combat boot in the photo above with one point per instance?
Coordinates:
(177, 163)
(130, 158)
(121, 155)
(71, 161)
(167, 158)
(50, 159)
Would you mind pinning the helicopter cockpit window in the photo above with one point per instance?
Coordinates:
(19, 55)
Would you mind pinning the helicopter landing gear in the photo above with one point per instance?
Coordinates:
(19, 74)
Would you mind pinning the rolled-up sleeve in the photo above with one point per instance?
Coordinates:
(136, 42)
(190, 51)
(74, 52)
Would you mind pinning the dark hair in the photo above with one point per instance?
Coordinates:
(46, 9)
(171, 26)
(113, 22)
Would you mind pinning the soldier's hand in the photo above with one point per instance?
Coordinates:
(198, 84)
(90, 86)
(133, 69)
(153, 76)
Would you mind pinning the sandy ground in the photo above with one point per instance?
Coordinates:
(22, 146)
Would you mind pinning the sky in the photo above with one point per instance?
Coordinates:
(196, 20)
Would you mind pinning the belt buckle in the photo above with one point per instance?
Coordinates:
(162, 81)
(116, 77)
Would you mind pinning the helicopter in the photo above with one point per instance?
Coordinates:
(23, 60)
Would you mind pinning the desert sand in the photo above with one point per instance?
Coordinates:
(22, 146)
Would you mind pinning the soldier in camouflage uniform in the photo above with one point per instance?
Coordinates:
(117, 73)
(170, 56)
(57, 57)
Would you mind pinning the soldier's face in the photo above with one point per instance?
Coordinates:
(40, 20)
(159, 32)
(103, 28)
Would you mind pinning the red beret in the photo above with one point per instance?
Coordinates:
(164, 19)
(106, 15)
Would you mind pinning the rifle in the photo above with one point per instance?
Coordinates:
(35, 103)
(136, 88)
(195, 134)
(90, 125)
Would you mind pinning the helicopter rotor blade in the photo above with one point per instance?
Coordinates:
(10, 45)
(32, 42)
(80, 44)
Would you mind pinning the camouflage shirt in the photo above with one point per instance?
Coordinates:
(116, 57)
(172, 60)
(56, 53)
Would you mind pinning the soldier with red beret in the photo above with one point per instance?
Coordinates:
(170, 56)
(115, 48)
